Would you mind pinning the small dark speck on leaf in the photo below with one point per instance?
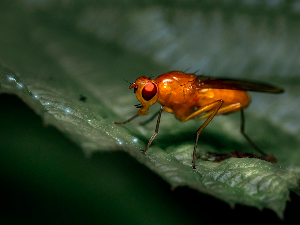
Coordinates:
(82, 98)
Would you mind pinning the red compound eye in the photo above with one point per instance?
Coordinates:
(149, 91)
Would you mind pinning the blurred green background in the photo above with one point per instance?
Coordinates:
(45, 176)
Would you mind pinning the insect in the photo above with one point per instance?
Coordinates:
(189, 96)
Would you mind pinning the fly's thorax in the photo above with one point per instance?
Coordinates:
(175, 88)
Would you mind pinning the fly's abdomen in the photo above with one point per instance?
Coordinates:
(234, 100)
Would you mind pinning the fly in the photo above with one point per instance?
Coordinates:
(189, 96)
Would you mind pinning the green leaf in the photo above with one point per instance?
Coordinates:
(65, 50)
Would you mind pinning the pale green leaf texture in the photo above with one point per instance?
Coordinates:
(54, 51)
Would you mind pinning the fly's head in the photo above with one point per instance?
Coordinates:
(146, 92)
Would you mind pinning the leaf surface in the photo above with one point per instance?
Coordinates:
(51, 59)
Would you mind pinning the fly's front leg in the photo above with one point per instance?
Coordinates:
(156, 129)
(213, 108)
(150, 119)
(127, 121)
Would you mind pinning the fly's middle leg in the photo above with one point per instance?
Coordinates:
(213, 108)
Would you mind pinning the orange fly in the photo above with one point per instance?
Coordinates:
(189, 96)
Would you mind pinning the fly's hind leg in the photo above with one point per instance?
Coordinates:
(212, 109)
(266, 157)
(246, 136)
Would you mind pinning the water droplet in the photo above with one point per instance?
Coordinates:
(11, 79)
